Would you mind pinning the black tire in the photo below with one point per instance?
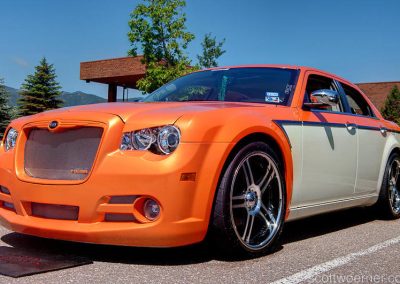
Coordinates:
(385, 205)
(227, 218)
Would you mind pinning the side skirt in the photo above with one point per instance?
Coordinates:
(315, 209)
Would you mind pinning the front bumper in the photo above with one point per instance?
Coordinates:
(185, 205)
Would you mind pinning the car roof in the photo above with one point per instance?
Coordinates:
(283, 66)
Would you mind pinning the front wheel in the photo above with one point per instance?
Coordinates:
(389, 199)
(250, 204)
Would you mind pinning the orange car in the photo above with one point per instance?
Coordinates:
(233, 152)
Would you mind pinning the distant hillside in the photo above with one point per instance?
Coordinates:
(80, 98)
(70, 99)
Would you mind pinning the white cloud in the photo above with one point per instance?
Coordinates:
(21, 62)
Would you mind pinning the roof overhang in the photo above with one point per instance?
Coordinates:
(124, 71)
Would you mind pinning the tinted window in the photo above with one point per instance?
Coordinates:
(260, 85)
(316, 82)
(358, 105)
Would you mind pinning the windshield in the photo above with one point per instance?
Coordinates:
(258, 85)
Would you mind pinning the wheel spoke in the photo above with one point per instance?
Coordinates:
(396, 199)
(247, 224)
(248, 228)
(265, 186)
(267, 173)
(240, 205)
(269, 214)
(248, 173)
(396, 174)
(238, 197)
(267, 222)
(248, 233)
(392, 192)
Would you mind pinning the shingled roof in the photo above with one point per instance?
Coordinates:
(378, 92)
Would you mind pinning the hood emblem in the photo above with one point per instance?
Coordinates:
(53, 124)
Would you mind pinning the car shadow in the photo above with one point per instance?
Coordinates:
(199, 253)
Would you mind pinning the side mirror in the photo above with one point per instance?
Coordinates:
(323, 98)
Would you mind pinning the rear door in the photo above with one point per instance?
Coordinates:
(329, 153)
(371, 140)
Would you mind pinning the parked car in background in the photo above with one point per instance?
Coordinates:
(233, 152)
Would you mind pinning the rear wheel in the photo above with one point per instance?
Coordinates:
(250, 204)
(389, 199)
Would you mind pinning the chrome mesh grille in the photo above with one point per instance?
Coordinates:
(65, 155)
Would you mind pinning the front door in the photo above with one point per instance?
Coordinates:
(329, 151)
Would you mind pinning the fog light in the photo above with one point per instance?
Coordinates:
(151, 209)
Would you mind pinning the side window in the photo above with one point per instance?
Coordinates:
(358, 105)
(316, 82)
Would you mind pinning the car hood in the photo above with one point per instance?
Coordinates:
(167, 112)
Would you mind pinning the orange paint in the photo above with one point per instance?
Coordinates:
(183, 183)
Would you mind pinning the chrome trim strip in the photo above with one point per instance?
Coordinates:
(280, 123)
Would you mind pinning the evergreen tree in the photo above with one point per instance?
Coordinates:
(5, 109)
(40, 91)
(391, 110)
(212, 50)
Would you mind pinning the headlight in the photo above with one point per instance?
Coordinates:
(143, 139)
(11, 138)
(168, 139)
(160, 140)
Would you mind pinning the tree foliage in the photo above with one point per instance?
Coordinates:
(40, 91)
(158, 29)
(391, 109)
(212, 50)
(5, 109)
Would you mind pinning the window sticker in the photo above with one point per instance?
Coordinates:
(272, 97)
(288, 89)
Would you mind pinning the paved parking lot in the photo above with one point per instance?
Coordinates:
(350, 246)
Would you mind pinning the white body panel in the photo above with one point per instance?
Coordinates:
(370, 155)
(329, 165)
(334, 168)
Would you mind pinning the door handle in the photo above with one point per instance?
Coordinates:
(351, 126)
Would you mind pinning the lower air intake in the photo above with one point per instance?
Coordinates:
(50, 211)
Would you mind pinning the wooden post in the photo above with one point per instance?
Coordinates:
(112, 93)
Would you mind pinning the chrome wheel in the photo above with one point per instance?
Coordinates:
(256, 200)
(394, 185)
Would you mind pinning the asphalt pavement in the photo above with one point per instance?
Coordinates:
(351, 246)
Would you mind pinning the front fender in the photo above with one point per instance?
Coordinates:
(224, 128)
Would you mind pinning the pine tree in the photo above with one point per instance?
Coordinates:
(391, 110)
(40, 91)
(212, 50)
(5, 109)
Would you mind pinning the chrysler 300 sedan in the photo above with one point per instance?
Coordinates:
(232, 153)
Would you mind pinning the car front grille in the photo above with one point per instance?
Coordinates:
(61, 155)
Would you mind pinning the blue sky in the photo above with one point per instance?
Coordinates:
(357, 39)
